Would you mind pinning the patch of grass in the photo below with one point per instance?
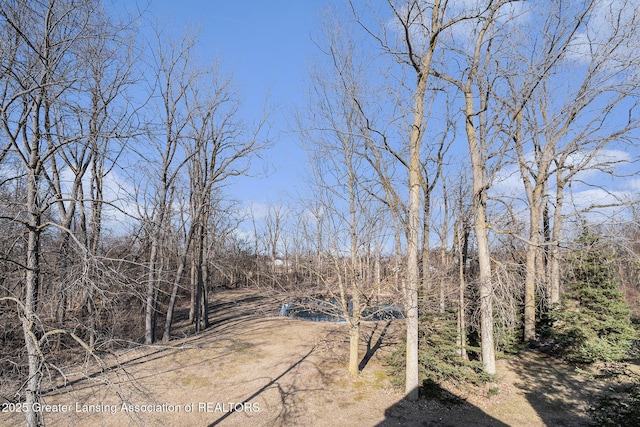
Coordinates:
(194, 381)
(380, 376)
(493, 391)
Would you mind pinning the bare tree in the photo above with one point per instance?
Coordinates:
(568, 125)
(417, 28)
(343, 180)
(172, 79)
(41, 78)
(274, 224)
(204, 136)
(476, 39)
(462, 231)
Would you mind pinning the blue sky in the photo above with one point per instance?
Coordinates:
(267, 48)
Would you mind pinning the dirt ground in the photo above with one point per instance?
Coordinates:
(253, 368)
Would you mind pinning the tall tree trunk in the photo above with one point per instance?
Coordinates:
(478, 167)
(546, 250)
(462, 235)
(32, 285)
(554, 255)
(486, 285)
(413, 225)
(205, 293)
(166, 335)
(193, 282)
(150, 305)
(354, 314)
(198, 260)
(532, 257)
(426, 235)
(444, 261)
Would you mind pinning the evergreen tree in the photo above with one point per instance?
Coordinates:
(593, 322)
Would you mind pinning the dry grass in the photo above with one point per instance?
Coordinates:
(286, 372)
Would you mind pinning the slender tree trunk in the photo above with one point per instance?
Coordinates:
(199, 279)
(556, 239)
(426, 235)
(150, 305)
(166, 336)
(413, 272)
(354, 315)
(480, 186)
(192, 281)
(32, 284)
(205, 293)
(486, 288)
(444, 262)
(462, 241)
(546, 236)
(62, 267)
(532, 256)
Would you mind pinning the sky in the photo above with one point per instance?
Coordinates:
(267, 48)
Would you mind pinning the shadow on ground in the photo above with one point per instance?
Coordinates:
(373, 347)
(232, 314)
(441, 409)
(284, 390)
(557, 392)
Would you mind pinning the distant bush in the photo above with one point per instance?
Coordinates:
(593, 321)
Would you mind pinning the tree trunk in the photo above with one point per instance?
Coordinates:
(554, 261)
(444, 262)
(32, 284)
(205, 293)
(478, 168)
(356, 278)
(413, 272)
(532, 255)
(354, 342)
(486, 287)
(150, 312)
(166, 335)
(462, 241)
(426, 234)
(199, 285)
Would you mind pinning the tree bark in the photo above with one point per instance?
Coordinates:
(32, 285)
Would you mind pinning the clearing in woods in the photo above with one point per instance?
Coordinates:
(254, 368)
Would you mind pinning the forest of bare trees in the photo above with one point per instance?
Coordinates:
(460, 153)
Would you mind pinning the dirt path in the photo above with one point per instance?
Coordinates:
(253, 368)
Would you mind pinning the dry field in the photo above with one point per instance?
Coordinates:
(253, 368)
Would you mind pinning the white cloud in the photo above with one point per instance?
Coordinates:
(463, 32)
(602, 161)
(599, 204)
(609, 22)
(634, 185)
(508, 183)
(257, 211)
